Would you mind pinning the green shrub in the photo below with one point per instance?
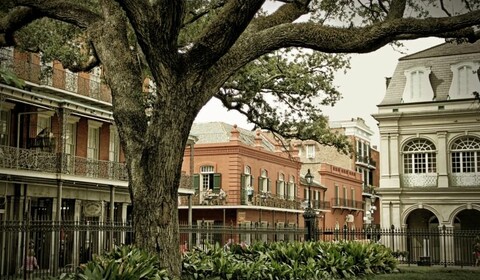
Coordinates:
(308, 260)
(125, 262)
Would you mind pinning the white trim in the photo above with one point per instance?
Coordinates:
(473, 81)
(94, 124)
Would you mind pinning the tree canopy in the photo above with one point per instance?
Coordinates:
(275, 66)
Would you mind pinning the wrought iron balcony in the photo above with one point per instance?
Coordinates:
(465, 179)
(320, 204)
(423, 180)
(346, 203)
(57, 78)
(45, 162)
(365, 160)
(237, 197)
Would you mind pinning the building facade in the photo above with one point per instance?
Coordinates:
(349, 181)
(429, 124)
(60, 161)
(242, 179)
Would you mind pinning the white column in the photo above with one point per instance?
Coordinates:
(442, 165)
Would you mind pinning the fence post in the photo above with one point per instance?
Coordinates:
(392, 237)
(444, 246)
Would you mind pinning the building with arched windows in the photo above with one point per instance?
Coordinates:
(429, 123)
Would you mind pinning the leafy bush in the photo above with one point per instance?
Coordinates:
(125, 262)
(309, 260)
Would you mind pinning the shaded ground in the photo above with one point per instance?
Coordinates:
(432, 272)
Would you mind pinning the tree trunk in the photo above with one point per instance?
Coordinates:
(155, 176)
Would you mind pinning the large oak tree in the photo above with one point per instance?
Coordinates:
(195, 50)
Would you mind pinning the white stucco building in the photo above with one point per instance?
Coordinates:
(429, 123)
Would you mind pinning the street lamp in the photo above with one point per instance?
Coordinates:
(309, 214)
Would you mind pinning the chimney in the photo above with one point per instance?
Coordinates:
(258, 139)
(234, 134)
(387, 81)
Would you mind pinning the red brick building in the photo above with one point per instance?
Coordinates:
(228, 162)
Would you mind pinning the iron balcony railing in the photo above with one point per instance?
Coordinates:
(419, 180)
(346, 203)
(45, 162)
(366, 160)
(464, 179)
(237, 197)
(57, 78)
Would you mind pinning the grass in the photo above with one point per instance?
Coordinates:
(435, 273)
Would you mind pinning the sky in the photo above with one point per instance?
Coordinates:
(362, 87)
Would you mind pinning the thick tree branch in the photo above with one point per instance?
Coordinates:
(64, 11)
(340, 40)
(14, 20)
(286, 13)
(222, 33)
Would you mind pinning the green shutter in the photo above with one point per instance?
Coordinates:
(196, 182)
(260, 180)
(294, 191)
(251, 182)
(278, 188)
(217, 182)
(243, 191)
(269, 182)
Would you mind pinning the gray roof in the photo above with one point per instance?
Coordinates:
(220, 132)
(439, 59)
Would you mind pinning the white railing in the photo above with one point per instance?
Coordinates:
(419, 180)
(465, 179)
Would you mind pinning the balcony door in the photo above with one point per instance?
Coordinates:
(70, 143)
(93, 144)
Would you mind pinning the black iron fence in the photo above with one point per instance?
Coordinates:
(61, 247)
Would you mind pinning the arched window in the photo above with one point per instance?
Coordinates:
(419, 156)
(465, 155)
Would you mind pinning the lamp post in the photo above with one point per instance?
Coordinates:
(309, 214)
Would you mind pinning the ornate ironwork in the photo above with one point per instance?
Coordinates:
(465, 179)
(419, 180)
(34, 160)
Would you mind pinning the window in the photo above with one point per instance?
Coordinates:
(281, 185)
(291, 188)
(465, 155)
(247, 185)
(310, 151)
(93, 139)
(464, 80)
(92, 148)
(337, 195)
(5, 122)
(70, 142)
(114, 145)
(417, 86)
(263, 182)
(419, 156)
(345, 196)
(352, 195)
(207, 177)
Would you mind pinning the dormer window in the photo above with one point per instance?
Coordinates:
(464, 80)
(418, 87)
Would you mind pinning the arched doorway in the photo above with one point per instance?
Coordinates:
(423, 236)
(466, 225)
